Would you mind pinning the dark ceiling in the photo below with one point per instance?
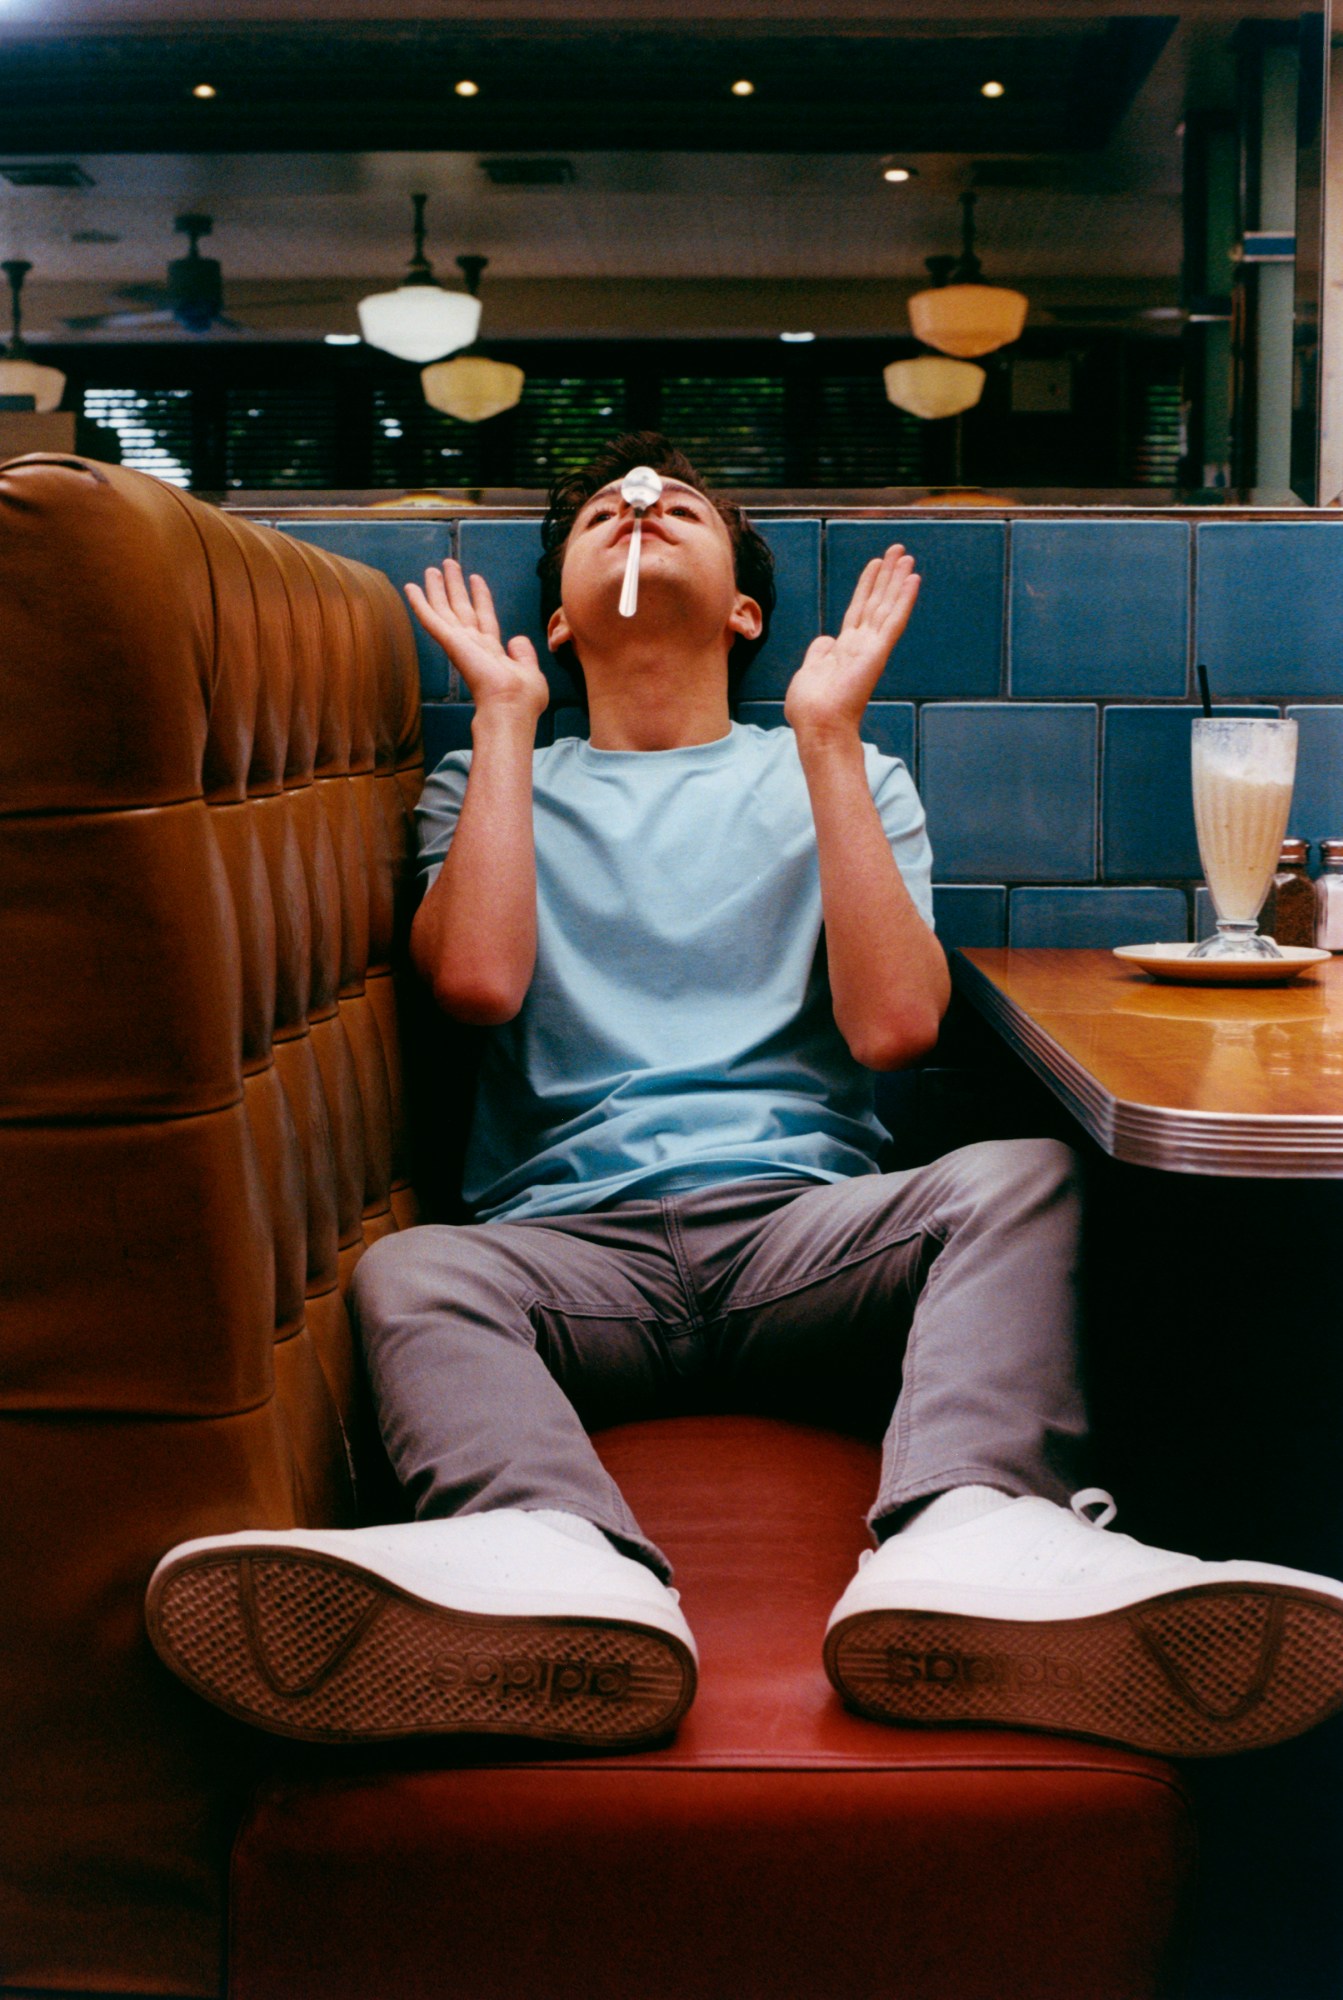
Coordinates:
(389, 86)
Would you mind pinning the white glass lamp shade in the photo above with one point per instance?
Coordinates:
(419, 322)
(25, 378)
(931, 386)
(472, 387)
(967, 319)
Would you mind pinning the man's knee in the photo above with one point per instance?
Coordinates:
(1028, 1174)
(401, 1273)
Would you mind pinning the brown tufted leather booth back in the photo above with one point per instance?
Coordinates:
(209, 751)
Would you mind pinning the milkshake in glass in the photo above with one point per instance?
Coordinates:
(1243, 772)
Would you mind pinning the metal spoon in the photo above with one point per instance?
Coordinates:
(638, 489)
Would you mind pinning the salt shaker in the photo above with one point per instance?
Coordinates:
(1329, 897)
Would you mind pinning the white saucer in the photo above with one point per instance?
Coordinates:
(1172, 961)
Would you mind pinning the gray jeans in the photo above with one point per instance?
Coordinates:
(946, 1295)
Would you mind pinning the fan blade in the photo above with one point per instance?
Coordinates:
(91, 322)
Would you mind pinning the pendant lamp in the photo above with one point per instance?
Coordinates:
(956, 313)
(18, 375)
(419, 320)
(932, 385)
(472, 387)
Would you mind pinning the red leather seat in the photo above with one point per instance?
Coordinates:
(779, 1849)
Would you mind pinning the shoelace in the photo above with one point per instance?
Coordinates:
(1094, 1496)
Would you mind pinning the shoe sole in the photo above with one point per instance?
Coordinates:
(309, 1646)
(1192, 1673)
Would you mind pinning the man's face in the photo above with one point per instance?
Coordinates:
(686, 570)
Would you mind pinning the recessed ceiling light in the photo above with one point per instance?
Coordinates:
(466, 88)
(743, 88)
(895, 173)
(992, 89)
(341, 339)
(204, 90)
(797, 336)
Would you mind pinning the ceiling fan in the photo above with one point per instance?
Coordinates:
(193, 296)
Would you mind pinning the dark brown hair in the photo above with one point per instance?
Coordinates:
(753, 562)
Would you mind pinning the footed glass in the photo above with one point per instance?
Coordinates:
(1243, 770)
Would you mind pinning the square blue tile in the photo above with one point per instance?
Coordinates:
(1010, 790)
(1270, 607)
(1098, 919)
(1317, 800)
(1100, 608)
(1147, 797)
(970, 916)
(1205, 916)
(403, 551)
(796, 547)
(954, 641)
(506, 553)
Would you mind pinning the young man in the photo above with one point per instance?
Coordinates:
(692, 942)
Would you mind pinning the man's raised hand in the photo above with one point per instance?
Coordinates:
(464, 623)
(835, 682)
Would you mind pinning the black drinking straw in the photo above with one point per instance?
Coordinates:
(1202, 673)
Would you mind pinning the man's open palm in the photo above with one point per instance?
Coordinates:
(465, 625)
(836, 680)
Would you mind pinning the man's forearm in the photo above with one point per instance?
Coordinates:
(888, 974)
(474, 937)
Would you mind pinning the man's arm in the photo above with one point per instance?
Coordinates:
(474, 935)
(888, 974)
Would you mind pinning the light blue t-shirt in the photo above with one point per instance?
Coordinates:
(678, 1027)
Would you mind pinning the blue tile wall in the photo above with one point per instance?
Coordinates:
(1317, 801)
(1097, 919)
(1010, 790)
(970, 916)
(1147, 812)
(1100, 608)
(1270, 607)
(953, 644)
(796, 547)
(403, 551)
(506, 553)
(1030, 838)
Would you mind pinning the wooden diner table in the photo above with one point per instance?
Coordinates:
(1226, 1080)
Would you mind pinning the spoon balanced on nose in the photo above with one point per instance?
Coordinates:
(638, 489)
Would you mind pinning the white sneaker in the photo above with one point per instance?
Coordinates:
(488, 1622)
(1031, 1617)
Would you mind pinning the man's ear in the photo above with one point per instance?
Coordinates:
(746, 618)
(557, 631)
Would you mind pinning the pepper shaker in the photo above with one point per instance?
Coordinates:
(1290, 917)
